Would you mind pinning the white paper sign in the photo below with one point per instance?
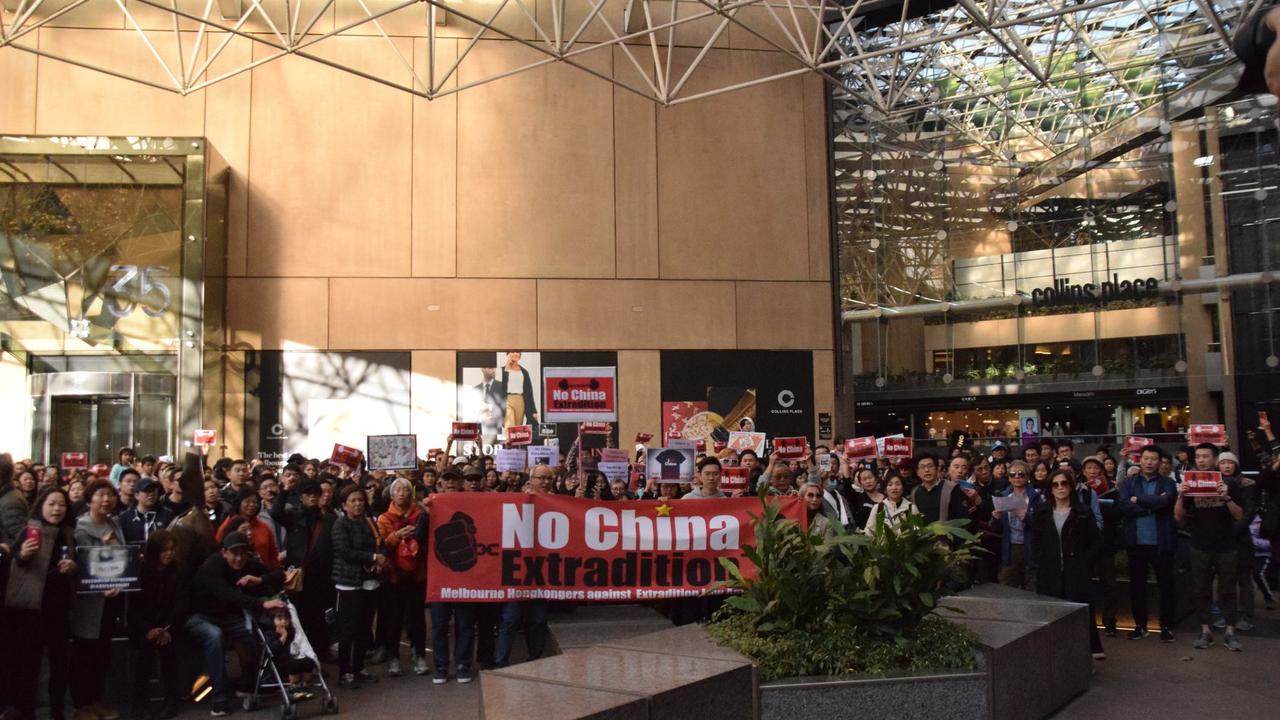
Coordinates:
(1009, 503)
(511, 460)
(615, 470)
(543, 455)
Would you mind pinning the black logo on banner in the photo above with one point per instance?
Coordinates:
(455, 543)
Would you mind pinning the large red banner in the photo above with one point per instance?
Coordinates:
(489, 547)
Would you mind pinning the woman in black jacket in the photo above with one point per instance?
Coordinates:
(357, 562)
(155, 614)
(38, 602)
(1066, 541)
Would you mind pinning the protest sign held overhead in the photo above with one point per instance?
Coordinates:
(753, 441)
(520, 435)
(510, 460)
(466, 431)
(1133, 444)
(75, 460)
(860, 447)
(393, 452)
(671, 464)
(1214, 434)
(586, 394)
(543, 455)
(497, 547)
(613, 470)
(345, 455)
(791, 448)
(897, 448)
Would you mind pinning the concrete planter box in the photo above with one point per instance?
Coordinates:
(1033, 659)
(942, 696)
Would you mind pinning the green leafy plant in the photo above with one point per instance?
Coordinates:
(884, 584)
(848, 604)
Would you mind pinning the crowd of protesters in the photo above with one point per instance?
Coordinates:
(348, 550)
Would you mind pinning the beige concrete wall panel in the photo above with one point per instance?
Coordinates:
(105, 15)
(74, 100)
(603, 314)
(824, 389)
(724, 212)
(511, 19)
(639, 395)
(17, 92)
(783, 315)
(690, 34)
(433, 392)
(535, 169)
(905, 340)
(227, 116)
(759, 29)
(435, 170)
(598, 30)
(331, 185)
(278, 313)
(635, 146)
(232, 436)
(816, 153)
(382, 314)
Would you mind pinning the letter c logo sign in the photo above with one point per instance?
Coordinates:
(786, 398)
(277, 430)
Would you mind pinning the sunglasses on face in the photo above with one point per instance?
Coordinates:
(1017, 473)
(1061, 483)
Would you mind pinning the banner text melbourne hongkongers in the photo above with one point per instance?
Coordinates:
(500, 546)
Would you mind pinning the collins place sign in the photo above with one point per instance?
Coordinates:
(1064, 293)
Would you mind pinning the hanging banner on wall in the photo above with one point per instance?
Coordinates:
(582, 394)
(493, 547)
(1215, 434)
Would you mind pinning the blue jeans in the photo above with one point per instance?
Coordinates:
(464, 635)
(210, 632)
(531, 615)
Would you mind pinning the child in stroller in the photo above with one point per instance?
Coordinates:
(287, 655)
(287, 664)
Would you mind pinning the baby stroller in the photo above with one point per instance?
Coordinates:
(271, 677)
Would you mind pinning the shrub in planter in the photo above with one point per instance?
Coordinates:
(850, 604)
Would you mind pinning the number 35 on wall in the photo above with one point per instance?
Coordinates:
(132, 285)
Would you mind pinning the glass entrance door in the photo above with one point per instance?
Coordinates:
(96, 425)
(102, 413)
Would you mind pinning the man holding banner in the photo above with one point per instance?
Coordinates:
(531, 615)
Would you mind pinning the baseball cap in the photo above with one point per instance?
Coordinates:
(235, 541)
(998, 445)
(145, 484)
(310, 487)
(1251, 42)
(1229, 456)
(471, 472)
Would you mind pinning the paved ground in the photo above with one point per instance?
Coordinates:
(1140, 679)
(1149, 679)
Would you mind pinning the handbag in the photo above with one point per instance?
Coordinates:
(293, 577)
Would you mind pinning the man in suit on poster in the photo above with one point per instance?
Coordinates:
(493, 404)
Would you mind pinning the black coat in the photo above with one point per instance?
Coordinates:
(1063, 564)
(354, 545)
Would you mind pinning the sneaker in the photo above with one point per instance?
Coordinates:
(220, 709)
(420, 665)
(1244, 625)
(441, 677)
(464, 676)
(393, 668)
(1099, 656)
(1204, 642)
(1109, 631)
(349, 682)
(1232, 643)
(1166, 635)
(367, 678)
(1219, 623)
(1138, 633)
(378, 657)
